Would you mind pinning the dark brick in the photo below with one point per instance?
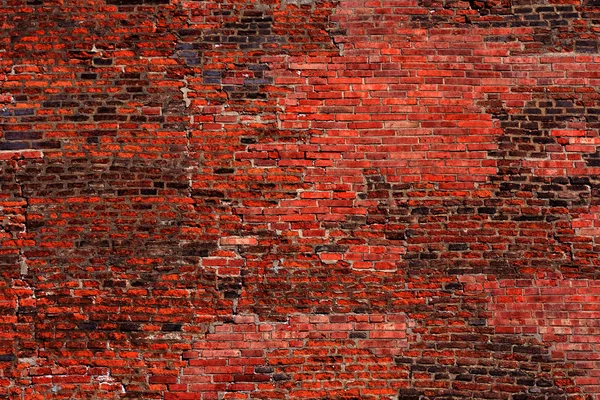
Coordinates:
(7, 357)
(88, 326)
(224, 171)
(357, 335)
(171, 327)
(129, 326)
(263, 369)
(23, 111)
(15, 145)
(46, 144)
(281, 377)
(23, 135)
(108, 61)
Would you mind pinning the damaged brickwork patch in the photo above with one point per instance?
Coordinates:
(269, 357)
(557, 313)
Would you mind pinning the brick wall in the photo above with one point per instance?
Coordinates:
(362, 199)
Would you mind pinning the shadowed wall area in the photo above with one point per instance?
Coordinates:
(300, 199)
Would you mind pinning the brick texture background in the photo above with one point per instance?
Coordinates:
(300, 199)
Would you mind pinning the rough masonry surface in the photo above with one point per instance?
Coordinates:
(300, 199)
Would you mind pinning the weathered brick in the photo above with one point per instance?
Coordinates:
(299, 200)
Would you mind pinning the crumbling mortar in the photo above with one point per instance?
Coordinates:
(331, 32)
(22, 259)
